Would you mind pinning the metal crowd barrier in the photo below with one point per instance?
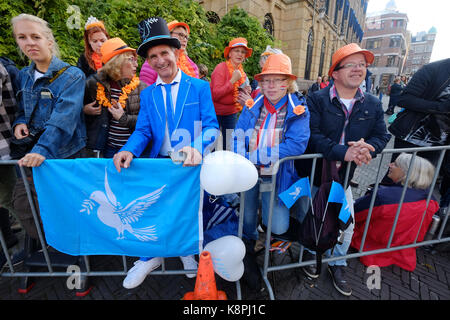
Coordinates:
(86, 267)
(272, 189)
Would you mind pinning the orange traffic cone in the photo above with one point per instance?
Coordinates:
(205, 285)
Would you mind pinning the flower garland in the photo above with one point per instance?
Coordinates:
(237, 84)
(185, 65)
(249, 103)
(102, 100)
(97, 60)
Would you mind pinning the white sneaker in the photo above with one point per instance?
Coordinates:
(189, 263)
(141, 269)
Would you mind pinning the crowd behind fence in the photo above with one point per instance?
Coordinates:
(85, 270)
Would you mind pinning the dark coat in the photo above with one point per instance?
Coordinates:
(327, 123)
(97, 126)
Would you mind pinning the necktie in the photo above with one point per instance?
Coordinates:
(169, 108)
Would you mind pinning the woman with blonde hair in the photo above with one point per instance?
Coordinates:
(113, 94)
(49, 122)
(411, 220)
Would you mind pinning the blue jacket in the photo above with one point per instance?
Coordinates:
(59, 109)
(195, 118)
(294, 140)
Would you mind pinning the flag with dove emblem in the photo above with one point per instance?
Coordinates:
(337, 194)
(152, 208)
(295, 191)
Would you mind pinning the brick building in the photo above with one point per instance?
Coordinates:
(309, 30)
(386, 35)
(420, 51)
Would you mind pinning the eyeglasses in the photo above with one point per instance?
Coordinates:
(182, 36)
(276, 82)
(132, 59)
(351, 65)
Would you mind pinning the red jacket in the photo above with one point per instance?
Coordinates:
(222, 91)
(382, 220)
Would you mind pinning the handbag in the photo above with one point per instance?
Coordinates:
(431, 130)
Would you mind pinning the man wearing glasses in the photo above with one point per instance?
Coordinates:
(346, 124)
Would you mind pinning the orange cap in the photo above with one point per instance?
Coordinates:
(346, 51)
(237, 42)
(277, 64)
(173, 24)
(113, 47)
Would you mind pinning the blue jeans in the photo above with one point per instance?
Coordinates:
(339, 249)
(227, 122)
(280, 217)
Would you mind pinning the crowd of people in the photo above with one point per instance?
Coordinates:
(101, 108)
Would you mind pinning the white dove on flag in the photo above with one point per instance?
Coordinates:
(295, 193)
(111, 213)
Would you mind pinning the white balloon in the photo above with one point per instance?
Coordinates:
(225, 172)
(227, 254)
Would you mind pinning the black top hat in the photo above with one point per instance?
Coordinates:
(153, 32)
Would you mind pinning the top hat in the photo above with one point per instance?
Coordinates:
(112, 47)
(237, 42)
(346, 51)
(277, 63)
(153, 32)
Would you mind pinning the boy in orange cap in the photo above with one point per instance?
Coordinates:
(346, 125)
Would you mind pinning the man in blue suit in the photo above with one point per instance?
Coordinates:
(176, 114)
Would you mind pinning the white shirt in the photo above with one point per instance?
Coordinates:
(166, 146)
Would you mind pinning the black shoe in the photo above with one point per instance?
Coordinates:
(339, 279)
(310, 270)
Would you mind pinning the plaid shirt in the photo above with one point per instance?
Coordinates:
(359, 96)
(7, 109)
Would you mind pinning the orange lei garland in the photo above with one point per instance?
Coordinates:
(184, 64)
(102, 100)
(237, 83)
(97, 59)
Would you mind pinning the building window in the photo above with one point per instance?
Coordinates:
(309, 54)
(375, 62)
(390, 61)
(268, 24)
(374, 43)
(395, 42)
(322, 56)
(212, 17)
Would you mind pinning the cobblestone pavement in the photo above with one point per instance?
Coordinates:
(429, 281)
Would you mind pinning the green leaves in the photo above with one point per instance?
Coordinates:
(121, 17)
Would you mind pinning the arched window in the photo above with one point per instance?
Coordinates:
(212, 17)
(309, 54)
(322, 56)
(268, 24)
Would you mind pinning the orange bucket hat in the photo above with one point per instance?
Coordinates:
(278, 63)
(346, 51)
(237, 42)
(173, 24)
(113, 47)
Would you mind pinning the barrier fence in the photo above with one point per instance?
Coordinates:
(50, 259)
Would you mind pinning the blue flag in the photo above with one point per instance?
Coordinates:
(337, 194)
(297, 190)
(151, 209)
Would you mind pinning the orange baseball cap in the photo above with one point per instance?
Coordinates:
(173, 24)
(113, 47)
(346, 51)
(237, 42)
(278, 63)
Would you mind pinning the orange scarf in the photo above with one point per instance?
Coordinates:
(237, 84)
(102, 100)
(97, 59)
(185, 65)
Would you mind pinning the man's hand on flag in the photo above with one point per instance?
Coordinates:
(122, 159)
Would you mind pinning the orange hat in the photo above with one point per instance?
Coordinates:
(278, 63)
(237, 42)
(173, 24)
(113, 47)
(346, 51)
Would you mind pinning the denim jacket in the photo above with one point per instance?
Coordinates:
(59, 106)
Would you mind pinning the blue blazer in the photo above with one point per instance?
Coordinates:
(195, 119)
